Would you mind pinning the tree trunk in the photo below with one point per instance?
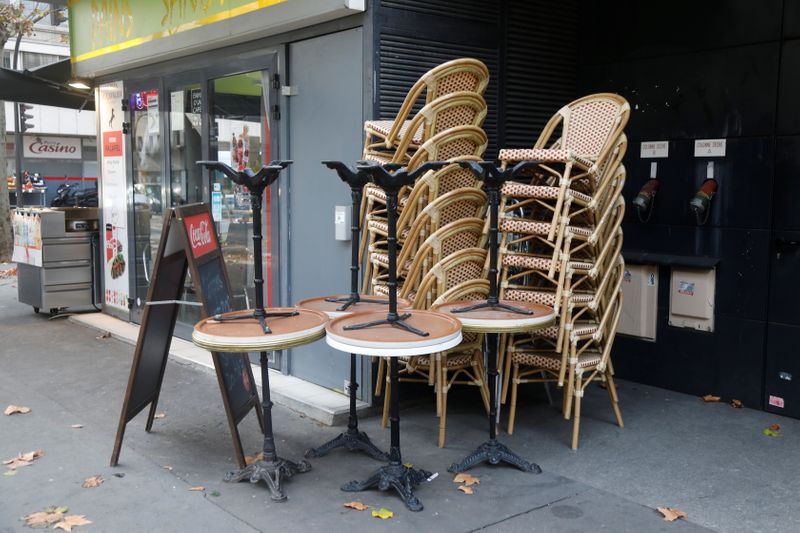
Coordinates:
(6, 234)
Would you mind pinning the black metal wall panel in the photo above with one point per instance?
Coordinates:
(630, 29)
(728, 92)
(708, 70)
(540, 66)
(479, 10)
(789, 90)
(403, 59)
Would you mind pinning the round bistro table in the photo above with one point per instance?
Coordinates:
(352, 439)
(247, 335)
(388, 340)
(492, 322)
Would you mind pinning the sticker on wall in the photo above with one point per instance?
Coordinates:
(627, 277)
(709, 147)
(654, 149)
(651, 279)
(786, 376)
(776, 401)
(686, 288)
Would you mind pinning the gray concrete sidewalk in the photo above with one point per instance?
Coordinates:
(708, 460)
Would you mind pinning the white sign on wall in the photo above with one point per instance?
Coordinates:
(654, 149)
(115, 236)
(709, 148)
(41, 147)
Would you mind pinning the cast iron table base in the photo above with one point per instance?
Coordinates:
(271, 469)
(352, 439)
(396, 475)
(403, 479)
(492, 451)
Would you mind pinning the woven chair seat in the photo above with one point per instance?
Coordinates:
(383, 290)
(552, 360)
(547, 155)
(533, 262)
(379, 158)
(383, 127)
(382, 259)
(537, 297)
(532, 227)
(376, 193)
(522, 190)
(382, 226)
(453, 360)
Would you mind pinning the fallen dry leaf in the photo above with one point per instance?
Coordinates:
(465, 489)
(467, 479)
(76, 426)
(159, 415)
(45, 518)
(671, 514)
(92, 482)
(8, 273)
(104, 335)
(14, 409)
(250, 459)
(382, 513)
(775, 427)
(737, 404)
(197, 489)
(42, 519)
(23, 459)
(358, 506)
(711, 398)
(71, 521)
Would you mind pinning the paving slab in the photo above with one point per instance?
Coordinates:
(708, 460)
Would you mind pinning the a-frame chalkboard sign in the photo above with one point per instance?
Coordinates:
(188, 243)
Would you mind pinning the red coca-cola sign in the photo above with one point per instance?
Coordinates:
(202, 238)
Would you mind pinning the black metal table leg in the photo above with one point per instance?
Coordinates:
(493, 451)
(400, 477)
(352, 439)
(272, 469)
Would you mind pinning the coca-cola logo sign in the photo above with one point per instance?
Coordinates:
(200, 230)
(39, 147)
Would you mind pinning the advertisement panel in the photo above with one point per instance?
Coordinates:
(115, 236)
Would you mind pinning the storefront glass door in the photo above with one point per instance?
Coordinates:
(185, 176)
(149, 196)
(240, 138)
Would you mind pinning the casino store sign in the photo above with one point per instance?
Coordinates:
(40, 147)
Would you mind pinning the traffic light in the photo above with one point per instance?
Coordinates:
(24, 117)
(58, 17)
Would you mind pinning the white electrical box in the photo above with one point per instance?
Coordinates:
(691, 300)
(341, 222)
(640, 302)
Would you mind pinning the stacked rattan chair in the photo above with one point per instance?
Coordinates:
(440, 221)
(560, 243)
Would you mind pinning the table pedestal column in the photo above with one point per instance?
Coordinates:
(271, 469)
(492, 451)
(396, 475)
(352, 439)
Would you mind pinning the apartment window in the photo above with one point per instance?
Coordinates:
(6, 58)
(32, 60)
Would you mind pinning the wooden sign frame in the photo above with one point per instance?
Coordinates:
(189, 243)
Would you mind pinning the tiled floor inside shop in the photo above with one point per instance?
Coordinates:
(707, 459)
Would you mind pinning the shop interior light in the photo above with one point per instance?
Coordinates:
(79, 84)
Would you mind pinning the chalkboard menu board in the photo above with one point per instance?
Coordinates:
(188, 243)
